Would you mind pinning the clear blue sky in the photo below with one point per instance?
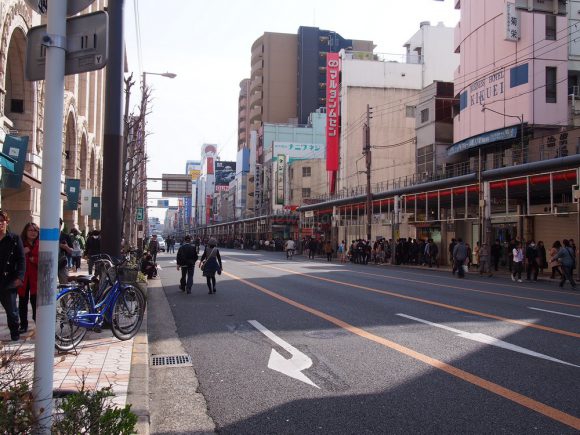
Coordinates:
(207, 44)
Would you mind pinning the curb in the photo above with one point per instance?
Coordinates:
(138, 389)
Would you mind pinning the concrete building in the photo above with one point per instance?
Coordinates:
(392, 86)
(313, 44)
(244, 114)
(22, 115)
(205, 186)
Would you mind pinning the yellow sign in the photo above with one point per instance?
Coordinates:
(194, 173)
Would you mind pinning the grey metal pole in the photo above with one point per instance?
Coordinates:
(50, 206)
(112, 203)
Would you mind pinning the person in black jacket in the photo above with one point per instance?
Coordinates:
(12, 269)
(186, 258)
(212, 264)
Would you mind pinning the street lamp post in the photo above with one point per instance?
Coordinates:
(521, 120)
(143, 193)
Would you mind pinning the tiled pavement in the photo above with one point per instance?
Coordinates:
(101, 360)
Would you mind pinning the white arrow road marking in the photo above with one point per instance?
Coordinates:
(482, 338)
(554, 312)
(290, 367)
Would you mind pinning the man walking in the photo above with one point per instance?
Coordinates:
(460, 254)
(154, 248)
(12, 269)
(186, 258)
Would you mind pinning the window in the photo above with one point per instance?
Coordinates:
(425, 158)
(519, 75)
(16, 105)
(306, 192)
(551, 85)
(424, 115)
(410, 111)
(462, 100)
(550, 27)
(306, 171)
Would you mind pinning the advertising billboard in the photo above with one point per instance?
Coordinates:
(332, 110)
(299, 151)
(280, 178)
(225, 172)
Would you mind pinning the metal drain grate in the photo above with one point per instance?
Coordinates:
(171, 361)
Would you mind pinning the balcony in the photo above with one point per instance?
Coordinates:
(257, 56)
(256, 84)
(256, 113)
(242, 115)
(457, 38)
(255, 99)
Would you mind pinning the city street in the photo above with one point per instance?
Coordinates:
(297, 346)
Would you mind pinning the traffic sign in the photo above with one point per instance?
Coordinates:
(86, 46)
(139, 214)
(73, 6)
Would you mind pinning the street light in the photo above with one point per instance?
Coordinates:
(144, 171)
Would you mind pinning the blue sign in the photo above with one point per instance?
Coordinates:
(96, 207)
(7, 162)
(72, 189)
(483, 139)
(15, 147)
(187, 207)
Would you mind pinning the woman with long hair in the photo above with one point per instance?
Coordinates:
(554, 263)
(211, 262)
(28, 289)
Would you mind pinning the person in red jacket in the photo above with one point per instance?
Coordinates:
(28, 289)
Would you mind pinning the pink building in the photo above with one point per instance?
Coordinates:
(512, 75)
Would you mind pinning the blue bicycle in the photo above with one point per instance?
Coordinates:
(92, 301)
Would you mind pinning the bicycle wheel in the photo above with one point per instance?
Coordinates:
(67, 333)
(128, 313)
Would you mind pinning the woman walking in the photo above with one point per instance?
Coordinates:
(328, 250)
(28, 289)
(211, 262)
(567, 258)
(518, 259)
(554, 263)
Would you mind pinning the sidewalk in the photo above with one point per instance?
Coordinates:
(100, 358)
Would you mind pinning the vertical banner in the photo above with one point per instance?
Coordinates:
(208, 209)
(14, 147)
(187, 209)
(96, 207)
(209, 169)
(280, 176)
(86, 196)
(332, 111)
(72, 187)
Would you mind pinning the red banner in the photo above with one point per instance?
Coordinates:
(332, 111)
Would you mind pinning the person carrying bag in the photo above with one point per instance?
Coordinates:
(211, 262)
(186, 259)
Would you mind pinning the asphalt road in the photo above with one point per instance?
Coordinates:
(289, 347)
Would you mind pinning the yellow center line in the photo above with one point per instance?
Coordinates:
(470, 289)
(425, 301)
(506, 393)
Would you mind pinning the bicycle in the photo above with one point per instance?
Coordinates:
(91, 303)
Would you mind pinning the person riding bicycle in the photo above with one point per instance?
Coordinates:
(290, 247)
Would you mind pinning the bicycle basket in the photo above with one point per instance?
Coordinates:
(128, 275)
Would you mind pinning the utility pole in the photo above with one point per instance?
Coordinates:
(112, 208)
(368, 155)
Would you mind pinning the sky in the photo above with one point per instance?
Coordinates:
(208, 45)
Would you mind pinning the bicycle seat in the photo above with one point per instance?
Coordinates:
(85, 279)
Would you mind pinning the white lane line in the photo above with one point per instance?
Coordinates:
(486, 339)
(555, 312)
(290, 367)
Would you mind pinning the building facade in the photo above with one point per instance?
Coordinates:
(22, 115)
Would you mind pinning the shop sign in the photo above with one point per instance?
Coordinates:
(280, 175)
(512, 15)
(309, 214)
(483, 139)
(332, 110)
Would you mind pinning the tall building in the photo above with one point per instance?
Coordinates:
(273, 79)
(313, 44)
(244, 114)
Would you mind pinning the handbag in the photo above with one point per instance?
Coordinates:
(202, 264)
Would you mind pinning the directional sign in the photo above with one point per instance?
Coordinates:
(290, 367)
(486, 339)
(86, 47)
(139, 214)
(73, 6)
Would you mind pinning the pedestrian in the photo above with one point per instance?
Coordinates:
(78, 245)
(312, 247)
(517, 261)
(484, 263)
(186, 258)
(542, 257)
(12, 270)
(154, 248)
(532, 259)
(476, 250)
(64, 252)
(495, 254)
(460, 258)
(148, 266)
(211, 262)
(567, 258)
(328, 250)
(433, 253)
(27, 291)
(554, 263)
(341, 253)
(92, 248)
(451, 248)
